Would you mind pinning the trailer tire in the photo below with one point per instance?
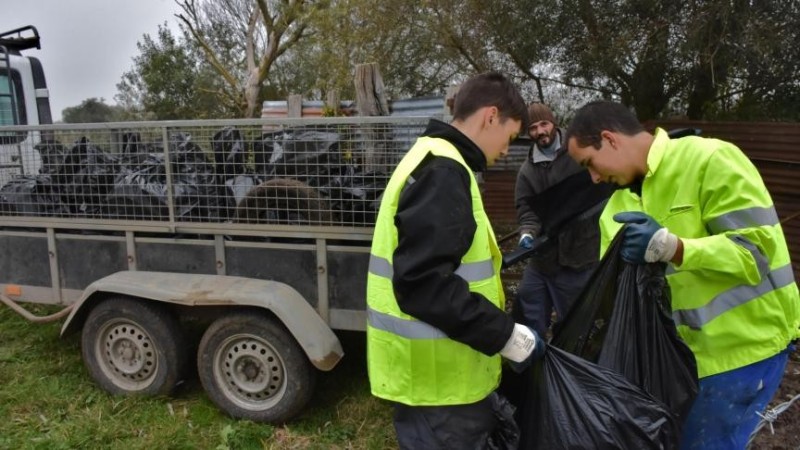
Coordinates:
(252, 368)
(133, 346)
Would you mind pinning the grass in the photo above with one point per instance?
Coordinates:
(48, 401)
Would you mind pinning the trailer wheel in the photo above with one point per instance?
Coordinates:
(133, 347)
(252, 368)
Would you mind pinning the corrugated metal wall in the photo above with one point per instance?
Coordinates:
(271, 109)
(774, 148)
(412, 107)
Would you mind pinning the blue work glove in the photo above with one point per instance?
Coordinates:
(526, 241)
(523, 347)
(644, 239)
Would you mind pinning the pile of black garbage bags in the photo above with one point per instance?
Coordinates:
(134, 183)
(616, 374)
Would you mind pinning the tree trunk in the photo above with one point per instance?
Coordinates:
(251, 90)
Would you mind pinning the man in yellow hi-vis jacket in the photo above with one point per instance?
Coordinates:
(436, 326)
(701, 206)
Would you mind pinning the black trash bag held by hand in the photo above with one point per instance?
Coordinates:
(622, 321)
(644, 379)
(642, 342)
(575, 404)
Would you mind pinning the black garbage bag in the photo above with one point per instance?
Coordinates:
(52, 153)
(31, 195)
(305, 154)
(265, 155)
(18, 197)
(643, 344)
(506, 435)
(233, 183)
(622, 334)
(141, 192)
(623, 321)
(133, 151)
(229, 153)
(84, 178)
(354, 194)
(575, 404)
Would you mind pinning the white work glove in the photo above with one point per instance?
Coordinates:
(644, 239)
(523, 347)
(662, 246)
(520, 345)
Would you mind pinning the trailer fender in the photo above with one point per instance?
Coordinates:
(312, 333)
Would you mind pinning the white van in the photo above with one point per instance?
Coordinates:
(24, 100)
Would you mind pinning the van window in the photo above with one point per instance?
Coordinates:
(8, 115)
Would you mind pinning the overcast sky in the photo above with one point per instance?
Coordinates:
(86, 44)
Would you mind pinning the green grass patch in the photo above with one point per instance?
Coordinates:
(48, 401)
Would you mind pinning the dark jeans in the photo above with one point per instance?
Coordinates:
(457, 427)
(539, 293)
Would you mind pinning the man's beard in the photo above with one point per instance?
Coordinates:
(540, 138)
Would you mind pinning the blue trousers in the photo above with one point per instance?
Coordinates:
(539, 293)
(724, 414)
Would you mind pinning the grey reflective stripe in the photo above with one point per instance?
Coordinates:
(739, 295)
(476, 271)
(744, 218)
(761, 260)
(410, 329)
(410, 180)
(380, 266)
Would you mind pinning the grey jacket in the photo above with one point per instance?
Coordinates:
(544, 191)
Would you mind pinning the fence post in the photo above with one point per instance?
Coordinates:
(371, 101)
(294, 106)
(449, 99)
(331, 103)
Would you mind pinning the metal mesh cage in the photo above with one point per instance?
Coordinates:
(287, 172)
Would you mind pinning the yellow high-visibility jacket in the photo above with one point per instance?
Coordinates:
(734, 297)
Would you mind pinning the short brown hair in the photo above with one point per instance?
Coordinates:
(490, 89)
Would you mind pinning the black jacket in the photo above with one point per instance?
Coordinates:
(550, 192)
(435, 228)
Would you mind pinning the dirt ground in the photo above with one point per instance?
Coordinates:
(786, 427)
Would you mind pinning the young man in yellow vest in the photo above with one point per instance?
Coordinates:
(700, 206)
(436, 326)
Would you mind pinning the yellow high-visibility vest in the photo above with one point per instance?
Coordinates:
(410, 361)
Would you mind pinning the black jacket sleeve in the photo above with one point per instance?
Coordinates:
(435, 229)
(529, 222)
